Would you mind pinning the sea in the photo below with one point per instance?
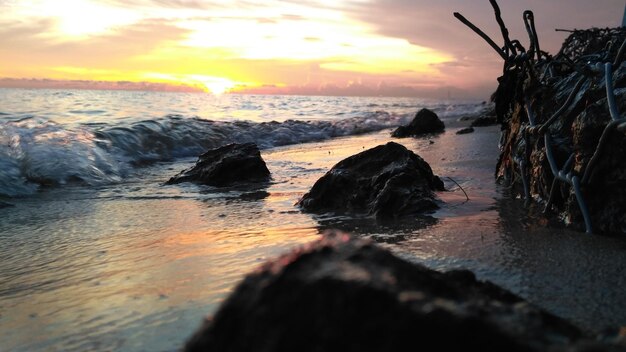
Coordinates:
(98, 254)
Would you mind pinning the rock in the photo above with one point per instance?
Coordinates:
(484, 121)
(256, 195)
(599, 204)
(343, 294)
(386, 181)
(233, 163)
(425, 122)
(465, 130)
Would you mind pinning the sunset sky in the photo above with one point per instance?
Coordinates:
(355, 47)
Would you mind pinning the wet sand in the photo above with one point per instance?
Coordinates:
(136, 266)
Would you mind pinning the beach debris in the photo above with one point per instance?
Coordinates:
(347, 294)
(386, 181)
(563, 136)
(227, 165)
(424, 122)
(465, 130)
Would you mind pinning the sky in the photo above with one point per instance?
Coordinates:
(316, 47)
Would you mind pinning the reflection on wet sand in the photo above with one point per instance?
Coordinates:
(137, 268)
(389, 231)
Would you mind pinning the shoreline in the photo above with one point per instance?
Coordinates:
(173, 253)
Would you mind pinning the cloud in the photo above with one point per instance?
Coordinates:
(431, 23)
(292, 17)
(475, 65)
(27, 46)
(173, 4)
(97, 85)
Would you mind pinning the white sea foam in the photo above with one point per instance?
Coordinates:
(37, 150)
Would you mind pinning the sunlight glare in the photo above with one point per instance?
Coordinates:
(81, 18)
(215, 85)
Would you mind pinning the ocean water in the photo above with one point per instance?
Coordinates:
(96, 253)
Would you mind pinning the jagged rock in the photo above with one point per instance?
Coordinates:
(573, 134)
(386, 181)
(233, 163)
(424, 122)
(465, 130)
(342, 294)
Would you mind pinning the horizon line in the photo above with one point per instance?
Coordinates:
(442, 93)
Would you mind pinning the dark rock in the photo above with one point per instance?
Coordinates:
(425, 122)
(574, 134)
(233, 163)
(484, 121)
(256, 195)
(465, 130)
(342, 294)
(386, 181)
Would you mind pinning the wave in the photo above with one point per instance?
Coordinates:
(36, 153)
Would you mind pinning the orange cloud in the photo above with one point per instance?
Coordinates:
(382, 47)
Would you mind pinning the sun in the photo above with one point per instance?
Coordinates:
(217, 87)
(214, 85)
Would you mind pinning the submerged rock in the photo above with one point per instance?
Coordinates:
(342, 294)
(232, 163)
(484, 121)
(465, 130)
(386, 181)
(424, 122)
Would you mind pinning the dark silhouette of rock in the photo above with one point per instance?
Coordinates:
(465, 130)
(342, 294)
(424, 122)
(233, 163)
(561, 144)
(484, 121)
(386, 181)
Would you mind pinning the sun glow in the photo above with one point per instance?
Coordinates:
(215, 85)
(209, 84)
(82, 18)
(218, 47)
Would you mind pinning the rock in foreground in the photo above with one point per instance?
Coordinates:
(342, 294)
(233, 163)
(386, 181)
(424, 122)
(561, 143)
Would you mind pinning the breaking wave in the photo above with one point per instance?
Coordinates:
(38, 152)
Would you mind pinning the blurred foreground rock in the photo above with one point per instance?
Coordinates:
(227, 165)
(343, 294)
(424, 122)
(386, 181)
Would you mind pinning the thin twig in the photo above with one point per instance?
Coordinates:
(456, 183)
(482, 34)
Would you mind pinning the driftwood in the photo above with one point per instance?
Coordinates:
(563, 139)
